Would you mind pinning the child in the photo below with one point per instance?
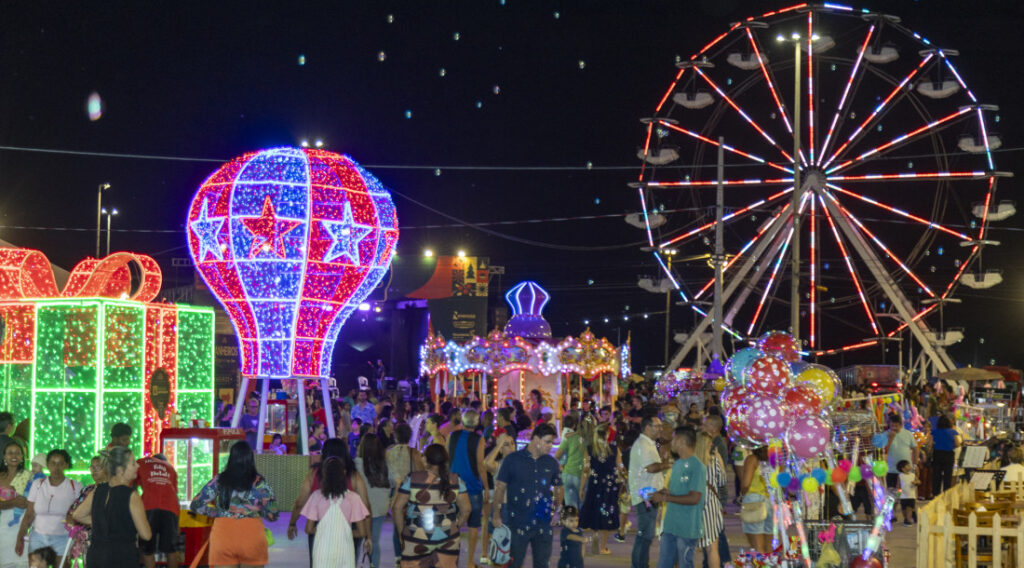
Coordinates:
(277, 446)
(44, 557)
(572, 539)
(38, 465)
(908, 491)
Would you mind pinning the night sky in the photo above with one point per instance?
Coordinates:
(482, 116)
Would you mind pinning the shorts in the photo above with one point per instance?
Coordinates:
(38, 540)
(908, 503)
(762, 527)
(238, 541)
(476, 510)
(165, 532)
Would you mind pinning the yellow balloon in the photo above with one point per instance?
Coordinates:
(719, 384)
(820, 382)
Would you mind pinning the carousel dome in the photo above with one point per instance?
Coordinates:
(527, 300)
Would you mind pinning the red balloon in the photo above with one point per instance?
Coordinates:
(871, 562)
(769, 376)
(733, 396)
(736, 421)
(781, 344)
(838, 475)
(802, 401)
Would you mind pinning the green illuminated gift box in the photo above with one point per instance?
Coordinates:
(77, 365)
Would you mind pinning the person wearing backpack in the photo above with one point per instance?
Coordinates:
(330, 512)
(466, 449)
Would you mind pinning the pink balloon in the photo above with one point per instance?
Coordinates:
(769, 376)
(808, 437)
(766, 420)
(802, 401)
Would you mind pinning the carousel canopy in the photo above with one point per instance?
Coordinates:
(525, 345)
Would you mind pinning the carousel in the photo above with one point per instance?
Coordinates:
(508, 364)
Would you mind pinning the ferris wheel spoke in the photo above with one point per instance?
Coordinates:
(959, 79)
(781, 252)
(761, 232)
(640, 188)
(743, 113)
(671, 277)
(920, 314)
(988, 203)
(769, 80)
(976, 174)
(846, 91)
(849, 267)
(725, 147)
(984, 139)
(900, 212)
(867, 232)
(771, 280)
(882, 106)
(902, 139)
(671, 88)
(727, 218)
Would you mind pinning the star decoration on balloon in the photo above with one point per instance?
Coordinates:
(268, 230)
(207, 230)
(346, 236)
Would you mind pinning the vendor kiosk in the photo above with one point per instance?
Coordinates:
(197, 454)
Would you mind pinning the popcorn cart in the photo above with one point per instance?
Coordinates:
(196, 454)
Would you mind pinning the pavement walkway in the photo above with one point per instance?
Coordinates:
(288, 554)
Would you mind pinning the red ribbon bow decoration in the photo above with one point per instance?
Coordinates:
(26, 274)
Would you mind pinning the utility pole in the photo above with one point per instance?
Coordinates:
(794, 291)
(716, 334)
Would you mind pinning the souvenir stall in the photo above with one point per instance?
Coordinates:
(78, 359)
(506, 365)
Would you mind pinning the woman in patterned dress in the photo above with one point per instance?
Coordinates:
(713, 520)
(600, 484)
(429, 510)
(238, 499)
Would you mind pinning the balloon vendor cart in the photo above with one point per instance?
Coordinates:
(773, 399)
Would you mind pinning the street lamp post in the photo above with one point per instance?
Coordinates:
(109, 214)
(99, 214)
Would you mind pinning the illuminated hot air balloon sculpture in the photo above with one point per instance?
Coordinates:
(291, 241)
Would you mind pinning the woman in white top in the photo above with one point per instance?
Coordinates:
(714, 522)
(49, 499)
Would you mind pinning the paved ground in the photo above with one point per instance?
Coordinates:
(288, 554)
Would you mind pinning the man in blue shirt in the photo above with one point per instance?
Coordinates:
(684, 515)
(526, 478)
(363, 410)
(466, 449)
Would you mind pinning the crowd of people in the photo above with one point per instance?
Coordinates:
(441, 472)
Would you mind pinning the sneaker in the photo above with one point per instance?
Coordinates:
(908, 524)
(619, 538)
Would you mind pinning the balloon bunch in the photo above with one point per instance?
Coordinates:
(770, 394)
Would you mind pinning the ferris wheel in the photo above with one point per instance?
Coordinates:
(857, 190)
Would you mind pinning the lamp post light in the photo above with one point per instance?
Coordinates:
(109, 214)
(798, 191)
(99, 214)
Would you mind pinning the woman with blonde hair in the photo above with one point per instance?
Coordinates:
(600, 486)
(713, 520)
